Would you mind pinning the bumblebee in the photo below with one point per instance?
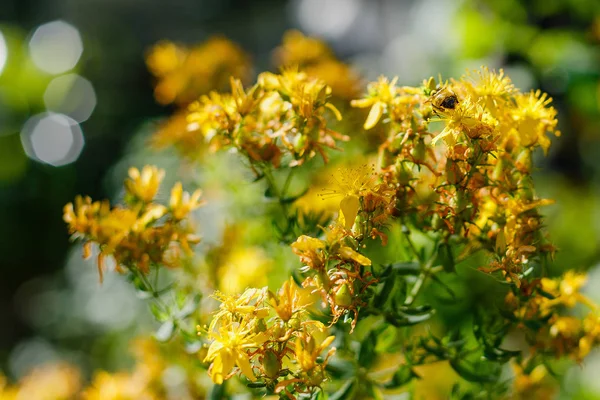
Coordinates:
(443, 99)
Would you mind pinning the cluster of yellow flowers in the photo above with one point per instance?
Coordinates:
(61, 380)
(281, 119)
(559, 334)
(183, 74)
(477, 185)
(268, 336)
(142, 233)
(454, 166)
(314, 57)
(45, 382)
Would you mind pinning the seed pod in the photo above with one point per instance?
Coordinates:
(271, 364)
(343, 297)
(419, 151)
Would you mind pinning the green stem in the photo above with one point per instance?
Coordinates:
(425, 272)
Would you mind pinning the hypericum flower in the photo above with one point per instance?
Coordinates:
(466, 117)
(144, 185)
(493, 87)
(299, 50)
(290, 300)
(45, 382)
(566, 289)
(186, 73)
(533, 119)
(380, 95)
(351, 184)
(311, 251)
(181, 203)
(118, 386)
(249, 303)
(229, 348)
(591, 329)
(307, 351)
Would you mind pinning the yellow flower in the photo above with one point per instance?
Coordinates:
(290, 300)
(144, 185)
(48, 382)
(380, 95)
(249, 303)
(243, 267)
(300, 50)
(229, 349)
(119, 386)
(467, 117)
(311, 251)
(533, 119)
(186, 73)
(494, 88)
(181, 203)
(565, 289)
(351, 184)
(307, 351)
(165, 57)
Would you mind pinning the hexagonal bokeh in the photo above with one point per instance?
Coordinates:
(54, 139)
(56, 47)
(72, 95)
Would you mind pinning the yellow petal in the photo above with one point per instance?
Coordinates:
(362, 103)
(213, 350)
(374, 115)
(349, 254)
(349, 206)
(335, 111)
(241, 359)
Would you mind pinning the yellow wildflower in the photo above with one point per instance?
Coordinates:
(249, 303)
(229, 348)
(351, 184)
(533, 119)
(181, 203)
(144, 185)
(307, 351)
(119, 386)
(380, 95)
(290, 300)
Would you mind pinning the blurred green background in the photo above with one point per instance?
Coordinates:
(76, 109)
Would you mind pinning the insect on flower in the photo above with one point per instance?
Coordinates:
(443, 99)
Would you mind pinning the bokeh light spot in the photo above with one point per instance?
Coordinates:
(72, 95)
(54, 139)
(328, 18)
(3, 52)
(56, 47)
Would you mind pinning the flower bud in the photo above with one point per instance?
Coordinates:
(419, 151)
(523, 162)
(294, 323)
(403, 174)
(343, 297)
(271, 364)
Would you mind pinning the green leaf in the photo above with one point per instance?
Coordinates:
(446, 258)
(468, 372)
(291, 199)
(256, 385)
(217, 393)
(343, 392)
(166, 331)
(401, 377)
(384, 295)
(367, 354)
(407, 268)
